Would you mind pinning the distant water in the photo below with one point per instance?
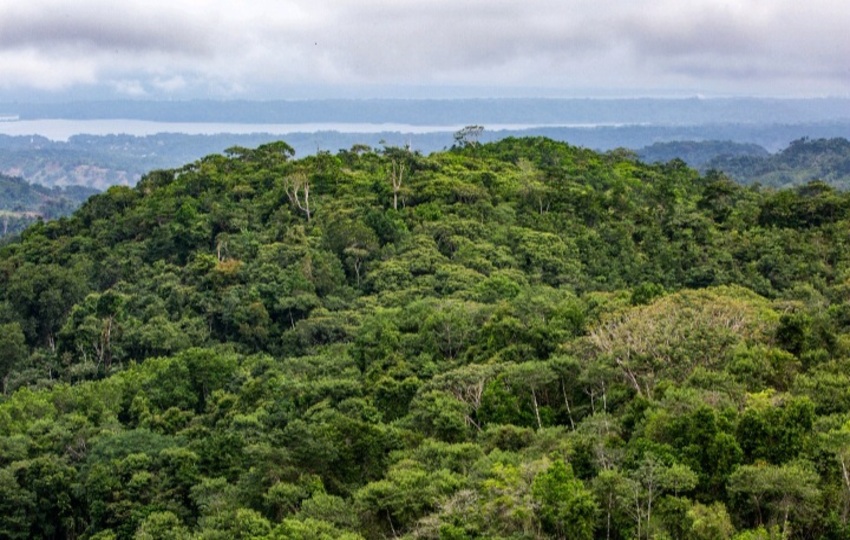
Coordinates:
(62, 130)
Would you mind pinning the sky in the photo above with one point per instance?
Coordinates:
(296, 49)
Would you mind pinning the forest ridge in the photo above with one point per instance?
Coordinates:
(521, 339)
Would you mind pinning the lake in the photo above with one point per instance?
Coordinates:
(62, 130)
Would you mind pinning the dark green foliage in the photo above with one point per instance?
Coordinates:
(522, 339)
(776, 433)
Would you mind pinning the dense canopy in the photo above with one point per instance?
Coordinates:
(521, 339)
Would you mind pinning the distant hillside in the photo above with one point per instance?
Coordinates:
(601, 124)
(803, 161)
(698, 153)
(101, 161)
(22, 203)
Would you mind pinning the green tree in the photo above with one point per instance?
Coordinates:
(566, 508)
(784, 495)
(710, 522)
(13, 350)
(17, 505)
(162, 526)
(407, 493)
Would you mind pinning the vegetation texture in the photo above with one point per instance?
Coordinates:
(521, 340)
(803, 161)
(22, 203)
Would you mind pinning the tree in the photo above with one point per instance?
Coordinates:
(507, 502)
(407, 493)
(297, 187)
(776, 495)
(438, 414)
(647, 482)
(837, 442)
(93, 329)
(775, 430)
(534, 189)
(536, 377)
(50, 482)
(162, 526)
(13, 350)
(710, 522)
(43, 295)
(241, 524)
(566, 508)
(400, 164)
(17, 504)
(675, 334)
(273, 153)
(468, 136)
(353, 242)
(467, 385)
(609, 486)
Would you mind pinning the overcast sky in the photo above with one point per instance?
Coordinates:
(278, 49)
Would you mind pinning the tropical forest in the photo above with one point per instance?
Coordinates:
(522, 339)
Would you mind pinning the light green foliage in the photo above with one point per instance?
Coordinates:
(710, 522)
(243, 524)
(507, 500)
(162, 526)
(679, 333)
(310, 529)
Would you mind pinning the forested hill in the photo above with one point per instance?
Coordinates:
(698, 154)
(803, 161)
(22, 203)
(522, 339)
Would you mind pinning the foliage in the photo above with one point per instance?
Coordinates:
(521, 339)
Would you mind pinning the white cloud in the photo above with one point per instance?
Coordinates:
(222, 47)
(30, 68)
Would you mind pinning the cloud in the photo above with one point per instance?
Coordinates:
(129, 88)
(224, 48)
(741, 41)
(29, 68)
(169, 84)
(113, 26)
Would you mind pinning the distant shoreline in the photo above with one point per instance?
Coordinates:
(63, 129)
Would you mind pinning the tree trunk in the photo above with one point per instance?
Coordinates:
(567, 403)
(536, 409)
